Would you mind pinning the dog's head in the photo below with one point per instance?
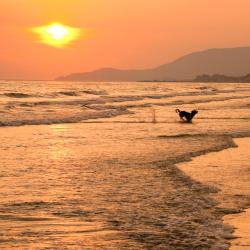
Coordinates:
(194, 112)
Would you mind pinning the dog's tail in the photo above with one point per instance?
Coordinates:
(177, 111)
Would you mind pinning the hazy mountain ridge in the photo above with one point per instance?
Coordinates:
(225, 61)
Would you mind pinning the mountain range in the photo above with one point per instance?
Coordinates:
(224, 61)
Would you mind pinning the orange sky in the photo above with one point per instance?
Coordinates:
(122, 33)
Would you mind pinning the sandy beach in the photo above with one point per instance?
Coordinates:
(108, 166)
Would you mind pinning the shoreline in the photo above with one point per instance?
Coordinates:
(114, 181)
(237, 212)
(228, 142)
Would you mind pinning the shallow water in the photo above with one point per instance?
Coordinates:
(98, 174)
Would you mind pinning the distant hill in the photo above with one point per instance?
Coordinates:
(227, 61)
(222, 78)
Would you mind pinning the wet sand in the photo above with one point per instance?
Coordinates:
(241, 223)
(228, 171)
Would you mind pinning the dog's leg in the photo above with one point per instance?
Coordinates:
(181, 117)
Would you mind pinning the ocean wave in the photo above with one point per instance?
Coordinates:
(69, 93)
(230, 135)
(226, 141)
(17, 95)
(115, 99)
(183, 135)
(79, 93)
(200, 101)
(9, 217)
(65, 93)
(95, 92)
(71, 119)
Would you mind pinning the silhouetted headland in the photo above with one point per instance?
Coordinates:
(222, 78)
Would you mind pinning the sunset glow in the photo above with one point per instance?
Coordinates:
(92, 34)
(57, 35)
(125, 124)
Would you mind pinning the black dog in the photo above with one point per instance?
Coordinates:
(187, 115)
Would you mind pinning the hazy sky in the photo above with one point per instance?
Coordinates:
(122, 33)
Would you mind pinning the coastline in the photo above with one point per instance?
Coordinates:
(107, 172)
(233, 196)
(164, 206)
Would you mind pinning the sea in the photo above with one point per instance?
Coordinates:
(95, 165)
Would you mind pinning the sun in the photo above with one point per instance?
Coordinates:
(58, 31)
(57, 34)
